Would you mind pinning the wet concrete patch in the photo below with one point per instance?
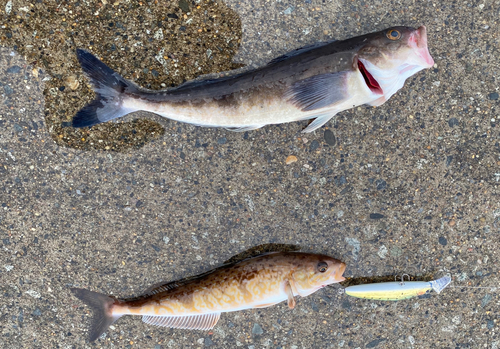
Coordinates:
(155, 44)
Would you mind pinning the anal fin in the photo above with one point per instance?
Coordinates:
(191, 322)
(318, 122)
(264, 305)
(244, 128)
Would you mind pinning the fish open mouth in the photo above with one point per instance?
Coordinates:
(370, 81)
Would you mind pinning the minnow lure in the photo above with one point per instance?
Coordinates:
(395, 291)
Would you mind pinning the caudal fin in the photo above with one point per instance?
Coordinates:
(109, 87)
(101, 306)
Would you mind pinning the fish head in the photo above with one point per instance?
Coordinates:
(391, 56)
(316, 272)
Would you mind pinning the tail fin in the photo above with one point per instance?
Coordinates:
(101, 305)
(109, 87)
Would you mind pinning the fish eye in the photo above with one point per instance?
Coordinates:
(322, 267)
(393, 34)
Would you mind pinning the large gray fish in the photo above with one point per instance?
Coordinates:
(314, 82)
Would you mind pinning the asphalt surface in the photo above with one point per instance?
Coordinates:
(409, 187)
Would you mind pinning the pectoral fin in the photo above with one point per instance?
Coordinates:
(289, 292)
(318, 91)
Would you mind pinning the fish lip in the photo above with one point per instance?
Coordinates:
(341, 272)
(418, 39)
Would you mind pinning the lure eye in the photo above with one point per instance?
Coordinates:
(393, 34)
(322, 267)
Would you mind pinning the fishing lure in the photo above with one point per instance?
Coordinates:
(395, 291)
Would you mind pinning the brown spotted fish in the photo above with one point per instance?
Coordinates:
(196, 303)
(315, 82)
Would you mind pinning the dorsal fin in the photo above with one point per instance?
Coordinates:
(298, 51)
(262, 250)
(170, 285)
(161, 287)
(256, 251)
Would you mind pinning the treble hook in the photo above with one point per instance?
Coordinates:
(402, 283)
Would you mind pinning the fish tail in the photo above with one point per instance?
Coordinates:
(102, 307)
(110, 89)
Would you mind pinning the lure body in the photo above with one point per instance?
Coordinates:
(395, 291)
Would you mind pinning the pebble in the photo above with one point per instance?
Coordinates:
(493, 96)
(376, 216)
(8, 7)
(382, 252)
(375, 343)
(257, 330)
(453, 122)
(396, 251)
(8, 90)
(184, 5)
(449, 159)
(381, 184)
(443, 241)
(291, 159)
(486, 299)
(329, 137)
(452, 223)
(72, 82)
(37, 312)
(314, 145)
(222, 140)
(356, 246)
(15, 69)
(208, 342)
